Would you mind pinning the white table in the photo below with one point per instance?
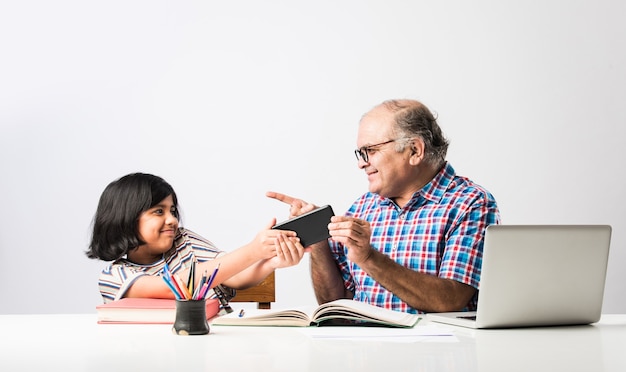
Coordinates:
(75, 342)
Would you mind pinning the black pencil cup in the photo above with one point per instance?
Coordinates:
(190, 318)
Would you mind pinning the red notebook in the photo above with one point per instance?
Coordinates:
(145, 310)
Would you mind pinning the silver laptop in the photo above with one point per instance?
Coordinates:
(538, 275)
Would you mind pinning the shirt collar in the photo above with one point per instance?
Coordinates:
(436, 188)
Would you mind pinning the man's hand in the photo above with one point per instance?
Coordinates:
(297, 206)
(354, 234)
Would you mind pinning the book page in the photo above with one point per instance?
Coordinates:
(269, 317)
(356, 310)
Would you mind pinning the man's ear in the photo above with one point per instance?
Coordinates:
(417, 151)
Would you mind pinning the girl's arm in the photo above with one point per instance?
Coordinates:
(149, 286)
(239, 269)
(289, 252)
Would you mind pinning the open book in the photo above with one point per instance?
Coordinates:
(338, 312)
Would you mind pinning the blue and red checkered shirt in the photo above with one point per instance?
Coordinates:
(440, 232)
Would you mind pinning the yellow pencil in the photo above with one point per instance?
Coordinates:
(192, 276)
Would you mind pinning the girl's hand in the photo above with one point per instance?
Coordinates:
(266, 244)
(289, 252)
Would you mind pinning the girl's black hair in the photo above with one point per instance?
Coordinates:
(121, 204)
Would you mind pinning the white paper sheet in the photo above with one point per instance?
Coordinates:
(419, 333)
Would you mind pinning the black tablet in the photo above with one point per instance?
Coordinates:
(311, 227)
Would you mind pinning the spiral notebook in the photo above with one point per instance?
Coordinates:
(538, 275)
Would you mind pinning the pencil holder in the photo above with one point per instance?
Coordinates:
(190, 318)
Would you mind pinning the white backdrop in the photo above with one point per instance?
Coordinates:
(227, 100)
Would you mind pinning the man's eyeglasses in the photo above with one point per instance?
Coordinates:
(364, 152)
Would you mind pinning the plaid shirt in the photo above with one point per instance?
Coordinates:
(439, 232)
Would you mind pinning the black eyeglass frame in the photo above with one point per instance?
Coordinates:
(363, 152)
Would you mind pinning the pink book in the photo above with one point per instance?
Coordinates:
(145, 310)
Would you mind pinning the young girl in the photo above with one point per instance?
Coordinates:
(136, 227)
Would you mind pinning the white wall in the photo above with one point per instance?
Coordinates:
(227, 100)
